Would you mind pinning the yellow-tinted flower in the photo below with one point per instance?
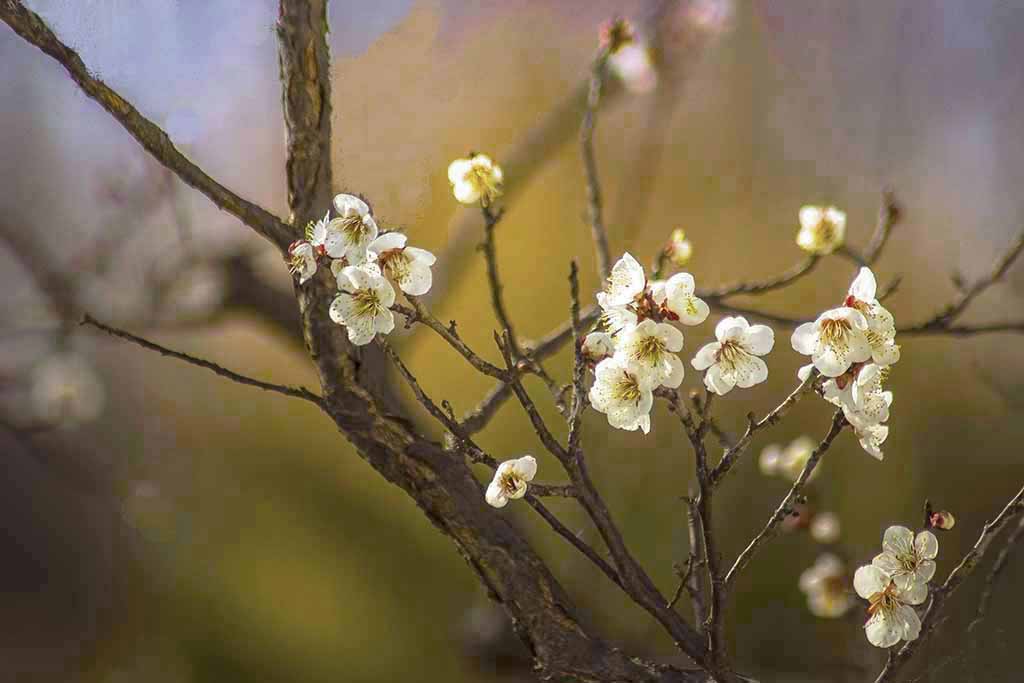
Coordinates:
(822, 229)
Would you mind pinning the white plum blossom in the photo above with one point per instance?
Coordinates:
(871, 438)
(510, 481)
(892, 617)
(908, 559)
(597, 346)
(825, 585)
(733, 360)
(623, 396)
(835, 341)
(822, 229)
(65, 389)
(881, 331)
(363, 305)
(625, 283)
(825, 527)
(303, 254)
(681, 302)
(408, 267)
(351, 232)
(302, 260)
(649, 351)
(475, 179)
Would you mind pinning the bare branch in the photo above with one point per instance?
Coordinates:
(889, 214)
(306, 101)
(491, 219)
(731, 456)
(788, 277)
(785, 508)
(998, 567)
(294, 392)
(545, 347)
(34, 30)
(942, 322)
(420, 314)
(578, 367)
(594, 208)
(940, 594)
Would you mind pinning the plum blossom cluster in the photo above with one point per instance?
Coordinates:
(366, 263)
(854, 346)
(636, 350)
(895, 581)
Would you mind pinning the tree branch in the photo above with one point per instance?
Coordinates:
(294, 392)
(34, 30)
(785, 508)
(594, 208)
(491, 219)
(306, 100)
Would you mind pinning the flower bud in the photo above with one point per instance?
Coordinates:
(678, 250)
(942, 520)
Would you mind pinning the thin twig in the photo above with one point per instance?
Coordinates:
(939, 595)
(781, 281)
(578, 367)
(294, 392)
(420, 314)
(785, 508)
(732, 455)
(481, 415)
(944, 319)
(998, 567)
(34, 30)
(889, 214)
(594, 207)
(491, 220)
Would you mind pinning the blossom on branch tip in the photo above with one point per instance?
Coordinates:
(733, 360)
(822, 229)
(510, 481)
(881, 330)
(891, 615)
(351, 232)
(625, 284)
(409, 267)
(302, 260)
(678, 250)
(629, 56)
(649, 351)
(623, 396)
(942, 519)
(681, 302)
(475, 179)
(825, 585)
(908, 559)
(364, 304)
(836, 340)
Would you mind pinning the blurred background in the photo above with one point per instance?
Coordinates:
(161, 524)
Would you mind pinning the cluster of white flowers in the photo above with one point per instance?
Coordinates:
(365, 263)
(825, 585)
(853, 346)
(636, 352)
(895, 581)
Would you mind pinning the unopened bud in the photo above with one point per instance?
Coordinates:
(942, 520)
(679, 250)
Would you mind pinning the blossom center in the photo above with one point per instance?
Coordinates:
(509, 483)
(483, 180)
(354, 228)
(367, 303)
(833, 331)
(883, 601)
(648, 350)
(394, 263)
(626, 389)
(729, 353)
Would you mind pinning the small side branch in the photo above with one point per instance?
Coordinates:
(785, 508)
(594, 200)
(33, 29)
(998, 567)
(578, 367)
(733, 454)
(294, 392)
(419, 314)
(714, 296)
(491, 220)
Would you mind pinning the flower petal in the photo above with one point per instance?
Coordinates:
(495, 496)
(898, 540)
(705, 357)
(349, 205)
(719, 382)
(868, 580)
(926, 545)
(909, 621)
(864, 286)
(676, 373)
(730, 328)
(417, 279)
(883, 630)
(467, 193)
(805, 338)
(758, 339)
(458, 169)
(526, 467)
(387, 241)
(680, 284)
(750, 370)
(421, 255)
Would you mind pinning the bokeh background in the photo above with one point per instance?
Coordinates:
(198, 530)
